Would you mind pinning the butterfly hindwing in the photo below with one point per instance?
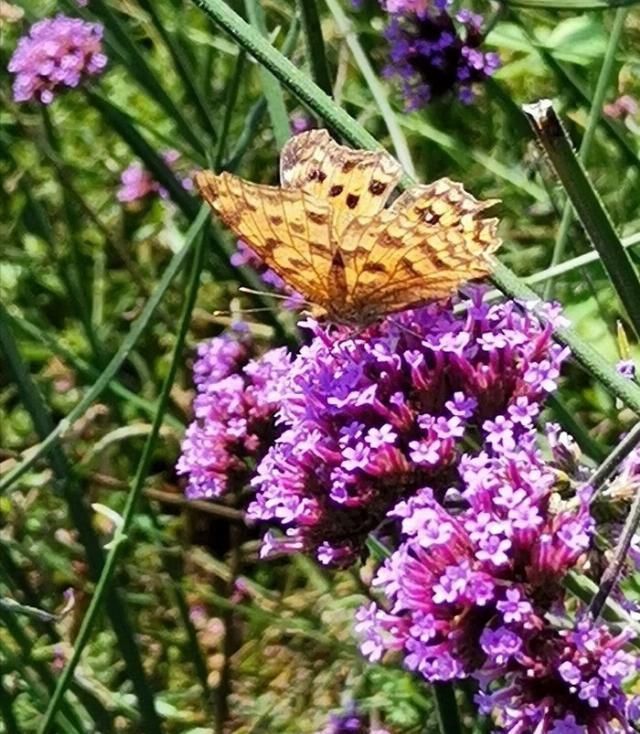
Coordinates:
(355, 182)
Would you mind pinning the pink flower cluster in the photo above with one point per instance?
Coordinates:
(57, 54)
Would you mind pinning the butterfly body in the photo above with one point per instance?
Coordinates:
(328, 232)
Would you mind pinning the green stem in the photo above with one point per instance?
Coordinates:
(137, 328)
(119, 541)
(612, 462)
(230, 99)
(270, 85)
(378, 92)
(316, 51)
(595, 114)
(446, 708)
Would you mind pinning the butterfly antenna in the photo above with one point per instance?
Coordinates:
(240, 311)
(279, 296)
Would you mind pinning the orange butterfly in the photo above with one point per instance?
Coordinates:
(327, 232)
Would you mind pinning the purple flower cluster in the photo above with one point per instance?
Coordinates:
(237, 396)
(470, 588)
(137, 183)
(371, 418)
(433, 53)
(57, 54)
(567, 681)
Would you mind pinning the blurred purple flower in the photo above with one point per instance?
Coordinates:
(57, 54)
(300, 123)
(433, 53)
(351, 721)
(237, 396)
(371, 418)
(624, 106)
(137, 183)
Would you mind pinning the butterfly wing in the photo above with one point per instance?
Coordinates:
(423, 247)
(289, 229)
(356, 183)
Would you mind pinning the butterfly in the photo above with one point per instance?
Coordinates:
(328, 233)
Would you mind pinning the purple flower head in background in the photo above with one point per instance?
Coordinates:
(137, 183)
(351, 721)
(244, 255)
(433, 53)
(237, 395)
(57, 54)
(372, 418)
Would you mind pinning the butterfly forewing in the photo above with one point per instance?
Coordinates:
(289, 230)
(421, 248)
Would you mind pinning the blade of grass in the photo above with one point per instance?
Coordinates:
(137, 328)
(378, 92)
(116, 387)
(595, 113)
(183, 68)
(120, 122)
(230, 99)
(323, 106)
(77, 278)
(270, 85)
(555, 5)
(446, 708)
(119, 541)
(120, 45)
(75, 500)
(316, 51)
(588, 206)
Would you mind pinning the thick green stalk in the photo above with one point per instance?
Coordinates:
(588, 206)
(109, 372)
(322, 105)
(316, 51)
(378, 92)
(595, 113)
(270, 85)
(446, 708)
(119, 541)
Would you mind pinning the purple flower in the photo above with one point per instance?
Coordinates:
(372, 418)
(237, 396)
(626, 368)
(433, 53)
(57, 54)
(137, 183)
(351, 721)
(563, 681)
(473, 570)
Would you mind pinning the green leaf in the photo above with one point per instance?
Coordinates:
(587, 205)
(571, 4)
